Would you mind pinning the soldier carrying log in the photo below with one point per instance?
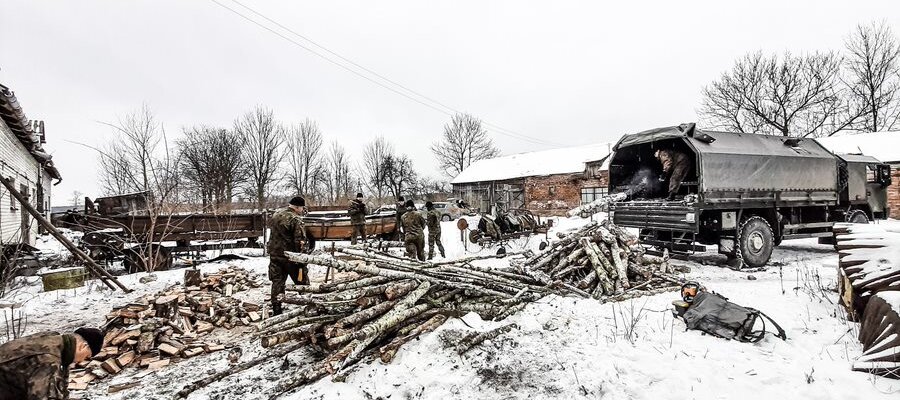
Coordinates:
(37, 366)
(400, 206)
(675, 166)
(357, 211)
(433, 219)
(413, 232)
(287, 234)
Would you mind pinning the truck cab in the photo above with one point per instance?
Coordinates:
(744, 193)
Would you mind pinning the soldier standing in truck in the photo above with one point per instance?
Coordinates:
(675, 166)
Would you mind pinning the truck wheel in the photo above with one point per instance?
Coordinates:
(857, 217)
(446, 217)
(756, 242)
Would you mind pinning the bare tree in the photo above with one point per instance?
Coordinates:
(76, 199)
(304, 157)
(789, 96)
(399, 174)
(463, 142)
(873, 64)
(212, 164)
(373, 166)
(137, 159)
(339, 177)
(428, 188)
(262, 139)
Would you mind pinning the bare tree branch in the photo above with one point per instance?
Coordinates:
(873, 64)
(463, 142)
(262, 138)
(305, 158)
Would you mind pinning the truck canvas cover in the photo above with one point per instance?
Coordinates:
(749, 162)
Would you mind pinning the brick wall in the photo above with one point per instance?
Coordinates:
(894, 191)
(553, 195)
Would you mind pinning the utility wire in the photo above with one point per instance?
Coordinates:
(429, 102)
(386, 79)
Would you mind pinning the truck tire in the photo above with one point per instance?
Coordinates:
(857, 217)
(756, 242)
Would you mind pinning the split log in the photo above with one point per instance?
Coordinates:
(474, 340)
(192, 387)
(388, 351)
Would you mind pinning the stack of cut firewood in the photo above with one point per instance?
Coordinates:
(384, 300)
(603, 261)
(172, 324)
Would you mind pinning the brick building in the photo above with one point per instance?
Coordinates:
(884, 146)
(25, 163)
(546, 182)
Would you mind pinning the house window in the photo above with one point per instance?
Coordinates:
(590, 194)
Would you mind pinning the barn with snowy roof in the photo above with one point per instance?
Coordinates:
(884, 146)
(548, 182)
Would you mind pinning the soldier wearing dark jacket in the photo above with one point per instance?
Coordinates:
(675, 167)
(413, 232)
(401, 208)
(433, 219)
(287, 234)
(357, 211)
(36, 367)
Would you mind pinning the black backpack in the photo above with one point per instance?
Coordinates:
(714, 314)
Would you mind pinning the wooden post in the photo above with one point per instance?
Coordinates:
(92, 265)
(328, 271)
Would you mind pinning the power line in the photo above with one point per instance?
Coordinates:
(428, 102)
(384, 78)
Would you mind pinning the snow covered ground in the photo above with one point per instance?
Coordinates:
(562, 348)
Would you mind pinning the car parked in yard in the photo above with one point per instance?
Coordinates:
(449, 210)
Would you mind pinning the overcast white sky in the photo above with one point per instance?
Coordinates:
(570, 72)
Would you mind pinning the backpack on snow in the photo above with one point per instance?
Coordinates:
(714, 314)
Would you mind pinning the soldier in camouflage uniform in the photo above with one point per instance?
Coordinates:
(36, 367)
(675, 165)
(413, 232)
(357, 211)
(433, 219)
(287, 234)
(400, 206)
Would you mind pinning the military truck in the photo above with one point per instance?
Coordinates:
(745, 193)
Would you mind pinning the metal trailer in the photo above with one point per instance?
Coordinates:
(147, 242)
(745, 193)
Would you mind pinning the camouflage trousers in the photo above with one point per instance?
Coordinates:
(360, 231)
(434, 238)
(279, 271)
(679, 172)
(415, 247)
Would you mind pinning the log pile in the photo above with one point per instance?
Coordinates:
(385, 301)
(605, 262)
(599, 205)
(173, 324)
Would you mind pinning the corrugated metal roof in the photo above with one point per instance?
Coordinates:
(12, 114)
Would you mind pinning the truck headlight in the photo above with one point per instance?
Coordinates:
(690, 217)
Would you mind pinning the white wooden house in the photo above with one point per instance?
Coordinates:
(23, 161)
